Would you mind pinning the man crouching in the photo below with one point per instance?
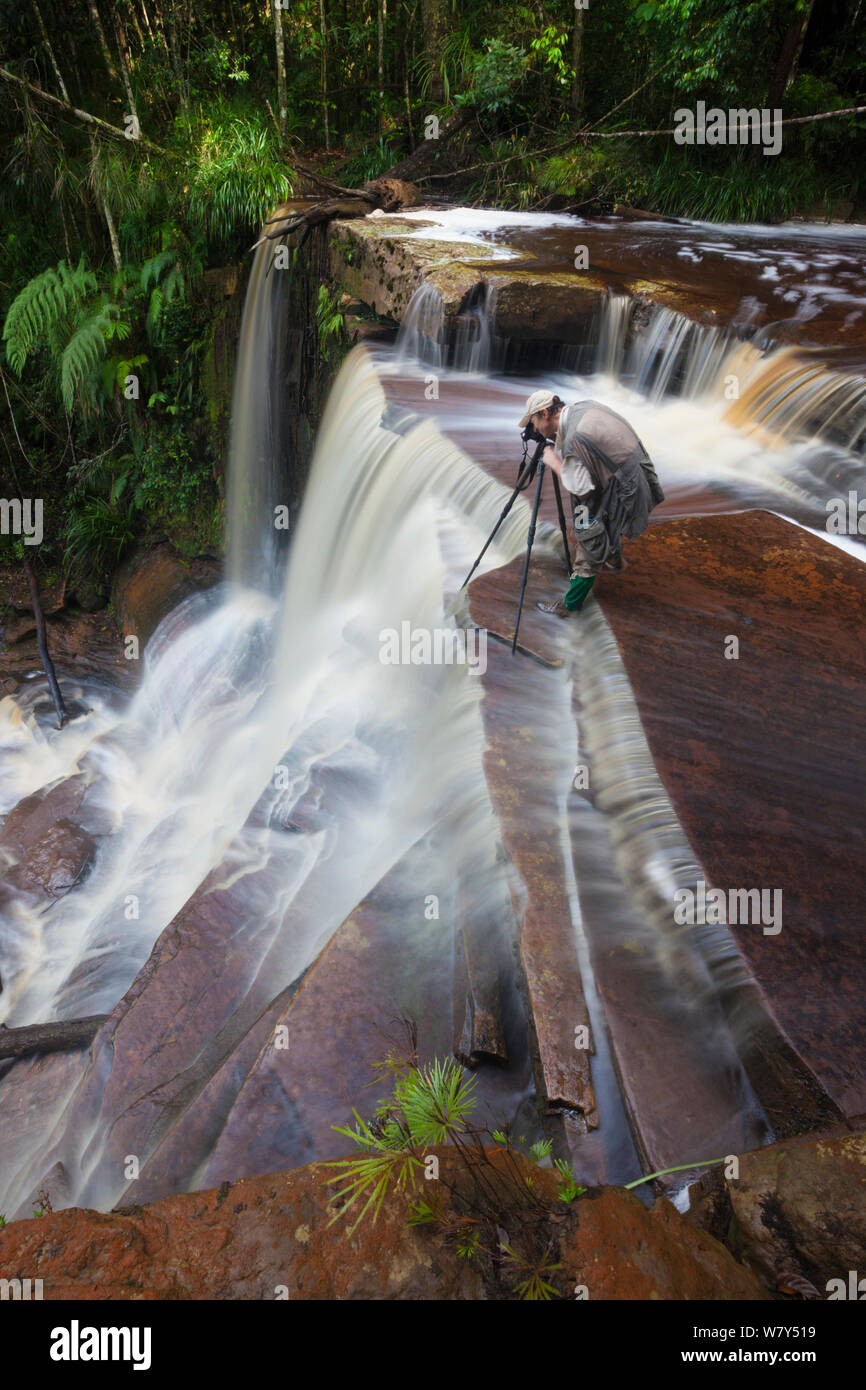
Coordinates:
(610, 476)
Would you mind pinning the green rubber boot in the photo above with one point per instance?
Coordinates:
(578, 593)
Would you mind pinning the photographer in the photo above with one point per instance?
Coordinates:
(613, 483)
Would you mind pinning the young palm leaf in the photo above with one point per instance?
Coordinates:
(435, 1100)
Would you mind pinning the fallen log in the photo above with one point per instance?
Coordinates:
(393, 190)
(66, 1035)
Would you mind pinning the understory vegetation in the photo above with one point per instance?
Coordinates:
(145, 144)
(492, 1214)
(491, 1209)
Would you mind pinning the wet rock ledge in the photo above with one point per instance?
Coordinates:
(793, 1220)
(382, 261)
(269, 1238)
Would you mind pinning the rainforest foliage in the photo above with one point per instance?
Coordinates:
(145, 141)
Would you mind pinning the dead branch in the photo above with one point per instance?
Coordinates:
(81, 115)
(66, 1035)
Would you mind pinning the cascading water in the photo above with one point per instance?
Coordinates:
(422, 336)
(786, 393)
(236, 687)
(475, 344)
(257, 473)
(272, 760)
(422, 328)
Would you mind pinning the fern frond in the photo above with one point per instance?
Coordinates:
(173, 286)
(154, 311)
(151, 271)
(84, 352)
(41, 307)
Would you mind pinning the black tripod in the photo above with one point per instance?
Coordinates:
(525, 475)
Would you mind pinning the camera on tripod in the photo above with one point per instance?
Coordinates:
(528, 469)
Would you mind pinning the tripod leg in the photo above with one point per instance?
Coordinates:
(521, 483)
(562, 526)
(529, 540)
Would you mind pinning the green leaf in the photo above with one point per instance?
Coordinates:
(541, 1149)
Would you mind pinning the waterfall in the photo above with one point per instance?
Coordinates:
(612, 324)
(237, 686)
(257, 469)
(422, 328)
(274, 766)
(791, 393)
(423, 338)
(475, 342)
(785, 393)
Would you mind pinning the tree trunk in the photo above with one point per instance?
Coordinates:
(390, 192)
(137, 27)
(112, 233)
(416, 163)
(103, 42)
(104, 208)
(147, 21)
(174, 49)
(789, 56)
(433, 19)
(381, 10)
(324, 35)
(123, 54)
(577, 62)
(410, 132)
(50, 51)
(42, 644)
(281, 69)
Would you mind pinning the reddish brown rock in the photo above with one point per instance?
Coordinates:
(150, 584)
(522, 771)
(375, 261)
(385, 961)
(37, 814)
(801, 1206)
(16, 605)
(260, 1238)
(763, 758)
(546, 306)
(81, 643)
(49, 853)
(185, 1073)
(269, 1237)
(621, 1250)
(336, 1029)
(57, 861)
(32, 1088)
(191, 1005)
